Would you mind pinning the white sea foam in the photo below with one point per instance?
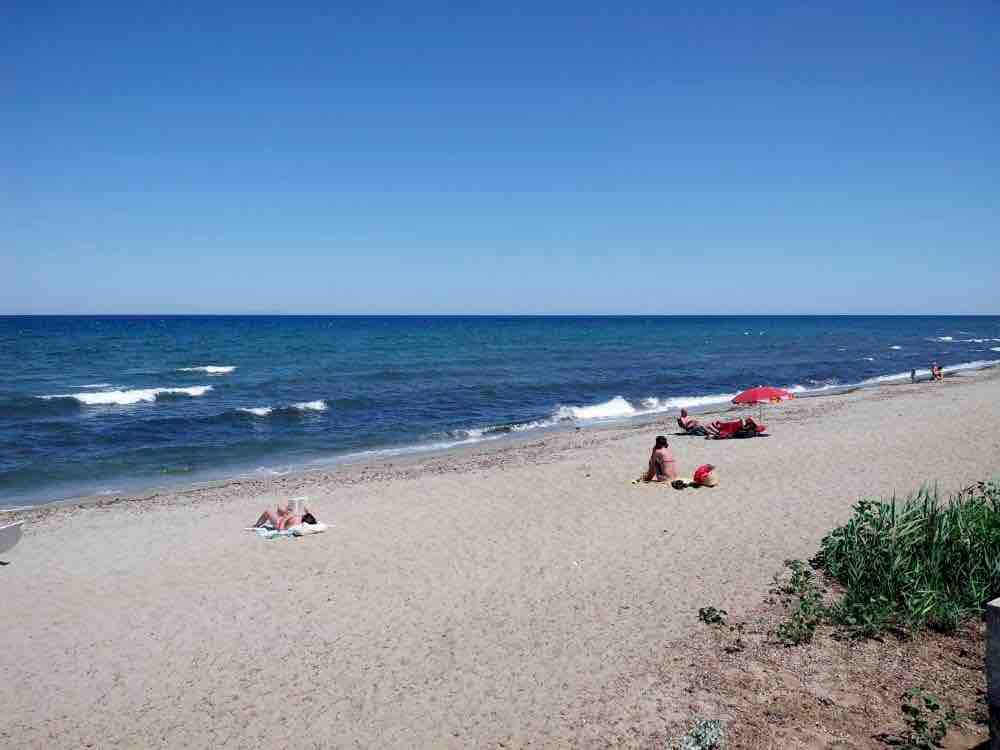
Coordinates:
(897, 376)
(302, 406)
(615, 408)
(258, 411)
(964, 341)
(818, 386)
(95, 385)
(870, 359)
(652, 405)
(134, 396)
(978, 364)
(209, 369)
(895, 346)
(620, 408)
(311, 406)
(995, 348)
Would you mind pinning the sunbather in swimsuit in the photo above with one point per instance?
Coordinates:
(690, 424)
(662, 465)
(283, 518)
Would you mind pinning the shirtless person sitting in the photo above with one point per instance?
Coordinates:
(662, 465)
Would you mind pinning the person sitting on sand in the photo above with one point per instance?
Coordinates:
(662, 465)
(283, 518)
(690, 424)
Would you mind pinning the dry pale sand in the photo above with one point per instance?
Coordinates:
(484, 598)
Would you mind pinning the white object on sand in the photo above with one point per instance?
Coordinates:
(304, 529)
(10, 535)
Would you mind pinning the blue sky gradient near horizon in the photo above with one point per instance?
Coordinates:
(557, 158)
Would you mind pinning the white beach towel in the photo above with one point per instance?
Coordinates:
(305, 529)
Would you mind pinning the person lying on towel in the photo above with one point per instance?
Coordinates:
(690, 424)
(283, 518)
(738, 428)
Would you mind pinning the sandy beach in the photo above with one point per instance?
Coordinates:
(491, 597)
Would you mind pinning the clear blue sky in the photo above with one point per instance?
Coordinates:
(521, 158)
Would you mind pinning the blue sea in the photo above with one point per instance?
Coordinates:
(93, 405)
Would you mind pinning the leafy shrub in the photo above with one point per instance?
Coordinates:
(916, 563)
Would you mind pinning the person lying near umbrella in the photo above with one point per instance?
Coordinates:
(738, 428)
(690, 424)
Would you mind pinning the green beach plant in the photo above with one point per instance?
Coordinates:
(926, 724)
(808, 612)
(917, 562)
(706, 734)
(712, 616)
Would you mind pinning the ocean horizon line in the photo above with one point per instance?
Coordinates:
(496, 315)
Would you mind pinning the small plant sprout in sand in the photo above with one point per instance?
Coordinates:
(926, 725)
(737, 644)
(706, 734)
(712, 616)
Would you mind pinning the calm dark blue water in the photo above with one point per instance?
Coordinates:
(100, 404)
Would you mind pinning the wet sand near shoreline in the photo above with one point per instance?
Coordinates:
(489, 596)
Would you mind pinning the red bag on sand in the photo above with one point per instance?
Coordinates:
(702, 473)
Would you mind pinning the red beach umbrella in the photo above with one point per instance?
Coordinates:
(762, 394)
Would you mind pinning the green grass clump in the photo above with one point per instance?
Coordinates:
(919, 562)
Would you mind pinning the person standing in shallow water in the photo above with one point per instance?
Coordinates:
(662, 465)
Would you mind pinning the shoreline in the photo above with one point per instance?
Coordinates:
(414, 460)
(490, 595)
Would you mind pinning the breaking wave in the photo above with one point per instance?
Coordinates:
(949, 339)
(615, 408)
(209, 369)
(134, 396)
(296, 408)
(257, 411)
